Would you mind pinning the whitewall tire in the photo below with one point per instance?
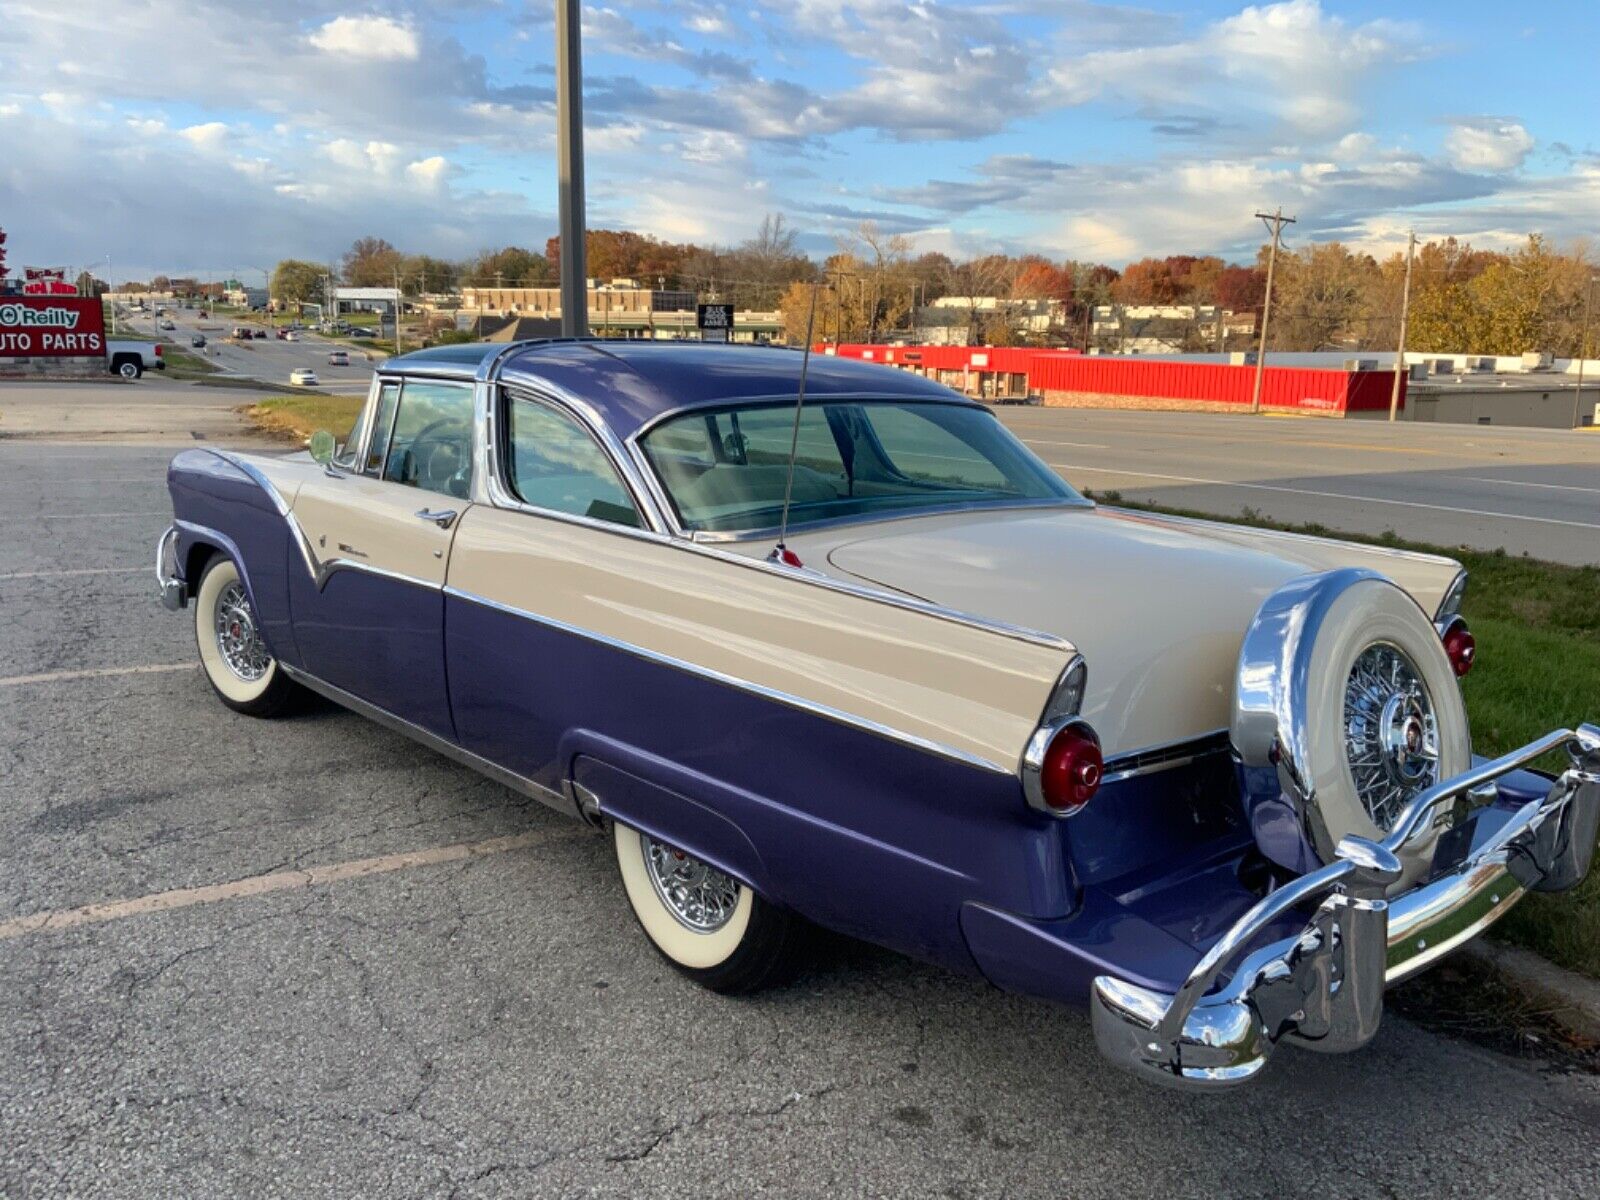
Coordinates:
(245, 677)
(709, 926)
(1375, 632)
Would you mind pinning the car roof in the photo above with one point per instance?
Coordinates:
(632, 383)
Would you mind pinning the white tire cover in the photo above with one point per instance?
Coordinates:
(240, 691)
(684, 946)
(1373, 611)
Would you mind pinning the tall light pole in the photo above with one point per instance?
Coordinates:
(569, 155)
(1405, 312)
(1275, 222)
(1583, 352)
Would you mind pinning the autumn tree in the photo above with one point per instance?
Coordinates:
(1039, 279)
(509, 266)
(295, 281)
(1319, 295)
(371, 262)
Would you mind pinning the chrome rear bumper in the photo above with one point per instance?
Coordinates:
(174, 592)
(1323, 988)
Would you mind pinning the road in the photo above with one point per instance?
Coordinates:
(1533, 491)
(402, 980)
(267, 359)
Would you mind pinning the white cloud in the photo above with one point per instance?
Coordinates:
(207, 136)
(1488, 144)
(428, 173)
(378, 38)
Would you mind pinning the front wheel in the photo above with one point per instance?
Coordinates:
(245, 677)
(707, 924)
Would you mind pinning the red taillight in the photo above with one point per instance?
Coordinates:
(1460, 647)
(1070, 775)
(158, 344)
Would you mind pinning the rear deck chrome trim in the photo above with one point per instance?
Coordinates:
(1153, 759)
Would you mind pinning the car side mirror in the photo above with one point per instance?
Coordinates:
(323, 446)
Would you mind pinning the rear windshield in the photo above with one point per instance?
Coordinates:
(725, 470)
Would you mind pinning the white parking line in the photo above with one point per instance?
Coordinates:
(100, 516)
(74, 571)
(1560, 487)
(276, 881)
(92, 673)
(1273, 487)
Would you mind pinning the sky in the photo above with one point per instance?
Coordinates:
(195, 136)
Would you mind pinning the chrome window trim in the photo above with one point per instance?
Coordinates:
(455, 382)
(363, 431)
(520, 783)
(816, 708)
(1167, 756)
(500, 492)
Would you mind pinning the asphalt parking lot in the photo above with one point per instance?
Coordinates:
(328, 962)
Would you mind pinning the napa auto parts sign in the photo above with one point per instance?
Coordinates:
(51, 326)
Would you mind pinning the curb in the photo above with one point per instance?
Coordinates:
(1574, 1001)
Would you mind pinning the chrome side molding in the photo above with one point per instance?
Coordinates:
(1322, 989)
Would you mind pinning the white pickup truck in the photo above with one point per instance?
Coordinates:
(133, 359)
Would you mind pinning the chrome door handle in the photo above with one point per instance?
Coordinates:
(443, 518)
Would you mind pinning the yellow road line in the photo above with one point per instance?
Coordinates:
(275, 881)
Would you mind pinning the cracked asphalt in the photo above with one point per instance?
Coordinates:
(496, 1026)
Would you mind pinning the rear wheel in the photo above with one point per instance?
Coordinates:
(129, 368)
(707, 924)
(245, 677)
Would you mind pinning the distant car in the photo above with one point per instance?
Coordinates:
(166, 325)
(282, 333)
(338, 358)
(199, 339)
(289, 335)
(260, 333)
(362, 333)
(241, 333)
(303, 377)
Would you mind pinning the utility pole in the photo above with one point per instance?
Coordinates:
(1405, 312)
(569, 141)
(397, 310)
(1275, 221)
(1583, 352)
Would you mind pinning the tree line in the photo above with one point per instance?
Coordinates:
(876, 285)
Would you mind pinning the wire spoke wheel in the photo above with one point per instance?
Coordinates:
(238, 640)
(700, 897)
(1391, 732)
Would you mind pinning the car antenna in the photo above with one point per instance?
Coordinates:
(781, 553)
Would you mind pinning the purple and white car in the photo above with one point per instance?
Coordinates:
(1215, 782)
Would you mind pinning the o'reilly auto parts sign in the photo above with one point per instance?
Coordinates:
(51, 327)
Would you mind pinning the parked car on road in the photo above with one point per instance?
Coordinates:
(303, 377)
(869, 663)
(131, 359)
(338, 358)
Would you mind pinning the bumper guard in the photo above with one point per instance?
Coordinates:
(1323, 988)
(174, 592)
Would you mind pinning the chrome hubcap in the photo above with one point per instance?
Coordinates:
(701, 897)
(1391, 734)
(237, 639)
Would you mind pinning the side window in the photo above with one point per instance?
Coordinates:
(382, 423)
(553, 463)
(431, 447)
(350, 447)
